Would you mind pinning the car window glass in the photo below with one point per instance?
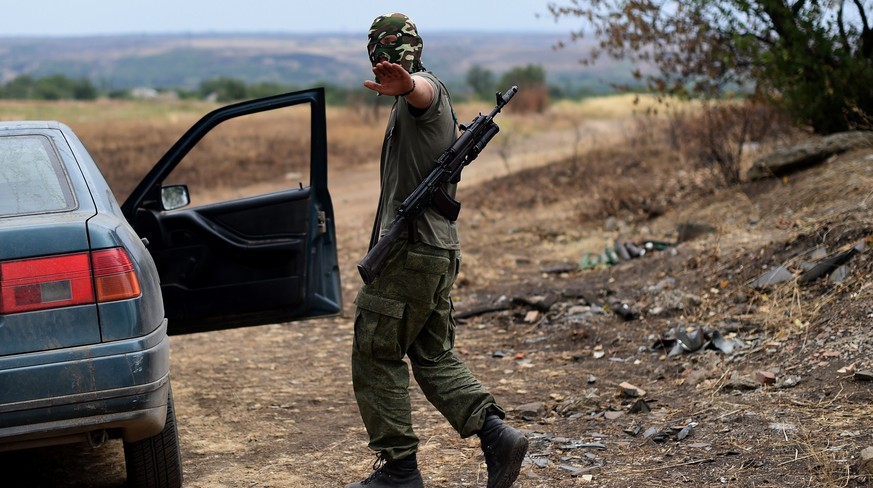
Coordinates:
(248, 155)
(31, 177)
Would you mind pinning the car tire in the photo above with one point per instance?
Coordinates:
(156, 462)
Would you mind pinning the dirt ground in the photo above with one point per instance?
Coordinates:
(272, 406)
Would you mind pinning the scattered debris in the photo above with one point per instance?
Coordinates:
(621, 251)
(677, 341)
(676, 432)
(833, 266)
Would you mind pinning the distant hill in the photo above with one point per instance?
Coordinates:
(182, 61)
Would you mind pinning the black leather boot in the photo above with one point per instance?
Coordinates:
(504, 448)
(402, 473)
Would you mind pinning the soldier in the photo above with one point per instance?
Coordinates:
(407, 309)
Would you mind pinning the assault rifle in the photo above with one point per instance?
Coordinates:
(466, 148)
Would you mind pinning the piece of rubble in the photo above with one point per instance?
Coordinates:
(531, 410)
(688, 231)
(630, 391)
(639, 406)
(773, 277)
(661, 436)
(542, 303)
(765, 377)
(622, 251)
(865, 464)
(559, 268)
(625, 311)
(850, 369)
(690, 341)
(840, 274)
(826, 266)
(574, 444)
(789, 381)
(722, 343)
(865, 375)
(677, 341)
(685, 431)
(741, 382)
(650, 432)
(612, 415)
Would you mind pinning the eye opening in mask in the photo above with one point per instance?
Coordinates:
(391, 40)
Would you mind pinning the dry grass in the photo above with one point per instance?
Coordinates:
(126, 138)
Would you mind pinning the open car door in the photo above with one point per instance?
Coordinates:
(238, 237)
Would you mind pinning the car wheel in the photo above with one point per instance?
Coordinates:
(156, 462)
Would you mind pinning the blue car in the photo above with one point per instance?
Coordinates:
(90, 290)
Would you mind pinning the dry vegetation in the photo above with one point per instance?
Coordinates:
(272, 406)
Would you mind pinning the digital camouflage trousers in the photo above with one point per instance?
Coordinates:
(407, 311)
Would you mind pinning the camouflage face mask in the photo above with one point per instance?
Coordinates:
(405, 50)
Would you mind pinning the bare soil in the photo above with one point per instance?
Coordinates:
(272, 406)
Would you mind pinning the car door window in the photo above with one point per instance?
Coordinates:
(248, 155)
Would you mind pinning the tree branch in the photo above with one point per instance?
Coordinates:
(843, 36)
(862, 14)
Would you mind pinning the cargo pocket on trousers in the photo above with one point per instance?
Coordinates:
(423, 274)
(377, 321)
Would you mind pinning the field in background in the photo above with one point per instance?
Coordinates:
(127, 137)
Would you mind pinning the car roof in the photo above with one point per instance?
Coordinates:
(30, 124)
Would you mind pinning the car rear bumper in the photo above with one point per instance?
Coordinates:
(60, 396)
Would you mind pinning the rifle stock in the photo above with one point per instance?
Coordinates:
(447, 169)
(374, 261)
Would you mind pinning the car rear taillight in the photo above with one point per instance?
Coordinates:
(114, 276)
(62, 281)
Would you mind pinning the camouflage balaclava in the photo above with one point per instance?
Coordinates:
(406, 51)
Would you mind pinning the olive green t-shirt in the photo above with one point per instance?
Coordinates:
(411, 146)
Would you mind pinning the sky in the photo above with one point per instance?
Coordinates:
(62, 18)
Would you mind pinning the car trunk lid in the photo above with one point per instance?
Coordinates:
(46, 284)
